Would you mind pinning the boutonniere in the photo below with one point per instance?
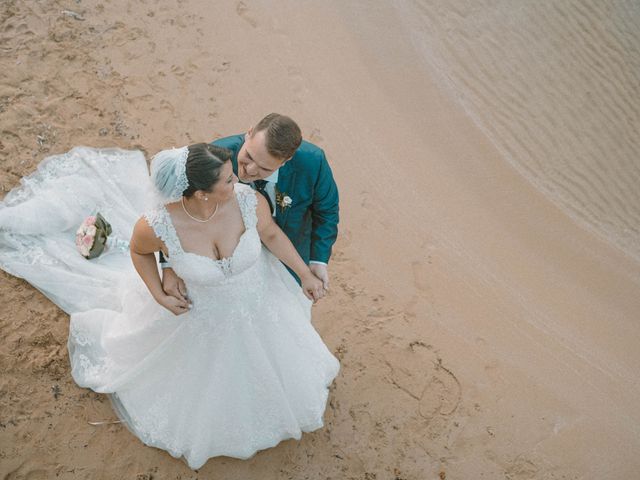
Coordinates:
(283, 200)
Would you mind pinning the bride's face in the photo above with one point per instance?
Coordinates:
(223, 188)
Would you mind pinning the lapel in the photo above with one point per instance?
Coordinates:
(286, 184)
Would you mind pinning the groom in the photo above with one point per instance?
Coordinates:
(296, 179)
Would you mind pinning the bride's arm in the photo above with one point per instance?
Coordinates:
(143, 245)
(278, 243)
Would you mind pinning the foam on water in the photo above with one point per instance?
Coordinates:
(556, 87)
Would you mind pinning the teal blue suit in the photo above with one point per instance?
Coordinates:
(311, 221)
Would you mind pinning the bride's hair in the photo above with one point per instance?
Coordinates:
(203, 166)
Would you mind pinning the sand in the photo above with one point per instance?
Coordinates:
(485, 328)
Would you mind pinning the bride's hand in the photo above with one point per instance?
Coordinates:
(312, 287)
(173, 285)
(174, 305)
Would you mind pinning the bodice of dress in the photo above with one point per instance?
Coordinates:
(200, 272)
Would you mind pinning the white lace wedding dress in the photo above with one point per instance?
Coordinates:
(241, 371)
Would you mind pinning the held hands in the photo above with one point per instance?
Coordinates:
(320, 271)
(174, 305)
(312, 287)
(173, 285)
(176, 299)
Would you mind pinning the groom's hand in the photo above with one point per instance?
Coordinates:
(321, 271)
(173, 285)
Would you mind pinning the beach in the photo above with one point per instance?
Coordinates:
(485, 285)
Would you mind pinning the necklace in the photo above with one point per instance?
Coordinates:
(197, 219)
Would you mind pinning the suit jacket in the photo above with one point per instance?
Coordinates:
(311, 221)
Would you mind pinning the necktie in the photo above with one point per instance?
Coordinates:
(260, 187)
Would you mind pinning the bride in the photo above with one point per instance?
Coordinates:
(239, 368)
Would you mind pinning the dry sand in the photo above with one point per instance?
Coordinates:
(482, 332)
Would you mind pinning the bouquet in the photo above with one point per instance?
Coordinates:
(91, 237)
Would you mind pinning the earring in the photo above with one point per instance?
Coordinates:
(206, 199)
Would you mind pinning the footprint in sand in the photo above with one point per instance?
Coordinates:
(338, 256)
(380, 312)
(343, 243)
(351, 291)
(243, 11)
(315, 136)
(28, 471)
(177, 71)
(521, 469)
(166, 106)
(299, 85)
(420, 275)
(365, 203)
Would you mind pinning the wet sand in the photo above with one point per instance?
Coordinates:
(485, 329)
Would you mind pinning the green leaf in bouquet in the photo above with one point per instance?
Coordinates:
(98, 245)
(102, 224)
(103, 230)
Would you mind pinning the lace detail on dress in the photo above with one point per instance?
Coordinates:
(225, 265)
(81, 336)
(28, 251)
(153, 423)
(160, 221)
(94, 371)
(248, 203)
(79, 159)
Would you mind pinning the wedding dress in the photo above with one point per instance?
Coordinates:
(243, 370)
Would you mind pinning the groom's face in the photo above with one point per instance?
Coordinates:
(254, 161)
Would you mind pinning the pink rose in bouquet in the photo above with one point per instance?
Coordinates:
(91, 236)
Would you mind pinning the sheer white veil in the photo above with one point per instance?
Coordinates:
(168, 176)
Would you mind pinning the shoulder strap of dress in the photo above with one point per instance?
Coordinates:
(160, 221)
(248, 202)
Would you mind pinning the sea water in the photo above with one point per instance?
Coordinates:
(555, 85)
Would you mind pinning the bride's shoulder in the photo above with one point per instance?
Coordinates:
(144, 237)
(159, 218)
(154, 215)
(243, 189)
(161, 212)
(155, 225)
(245, 194)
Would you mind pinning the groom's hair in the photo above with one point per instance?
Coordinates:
(282, 135)
(203, 166)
